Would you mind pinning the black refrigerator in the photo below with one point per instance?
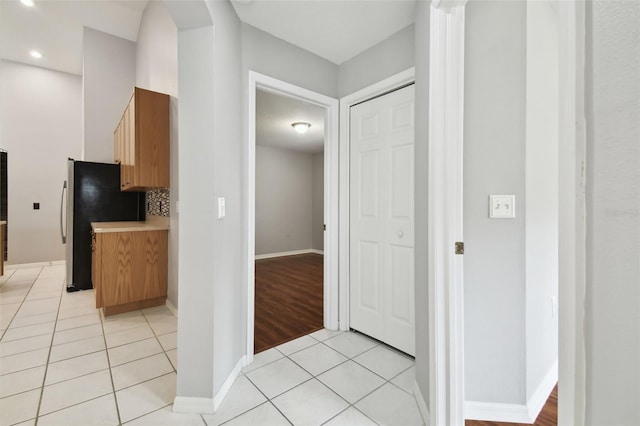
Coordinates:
(92, 194)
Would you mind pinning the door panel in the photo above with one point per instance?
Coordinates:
(381, 219)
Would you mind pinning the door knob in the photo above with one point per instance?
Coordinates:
(400, 234)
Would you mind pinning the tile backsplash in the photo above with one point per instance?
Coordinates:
(158, 202)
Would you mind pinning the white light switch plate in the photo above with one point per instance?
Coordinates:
(221, 208)
(502, 206)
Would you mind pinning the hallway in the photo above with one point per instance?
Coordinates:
(62, 363)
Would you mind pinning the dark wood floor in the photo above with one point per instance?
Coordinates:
(289, 299)
(547, 417)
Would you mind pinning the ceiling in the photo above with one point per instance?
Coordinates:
(54, 28)
(274, 116)
(336, 30)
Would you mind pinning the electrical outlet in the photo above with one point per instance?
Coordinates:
(502, 206)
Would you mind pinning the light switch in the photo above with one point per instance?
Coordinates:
(221, 208)
(502, 206)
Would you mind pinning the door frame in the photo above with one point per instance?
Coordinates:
(331, 176)
(387, 85)
(447, 59)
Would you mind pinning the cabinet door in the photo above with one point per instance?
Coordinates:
(134, 266)
(154, 276)
(132, 179)
(96, 268)
(117, 144)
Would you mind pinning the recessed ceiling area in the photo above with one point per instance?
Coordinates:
(336, 30)
(274, 115)
(54, 28)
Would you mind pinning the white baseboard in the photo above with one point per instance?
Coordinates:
(171, 307)
(35, 264)
(287, 253)
(514, 413)
(192, 405)
(541, 394)
(226, 386)
(496, 412)
(422, 405)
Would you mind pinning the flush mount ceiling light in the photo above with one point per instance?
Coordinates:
(301, 127)
(28, 3)
(35, 54)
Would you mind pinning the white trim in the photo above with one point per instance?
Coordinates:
(35, 264)
(572, 215)
(331, 182)
(171, 307)
(384, 86)
(422, 405)
(228, 383)
(287, 253)
(542, 392)
(446, 306)
(515, 413)
(511, 413)
(188, 404)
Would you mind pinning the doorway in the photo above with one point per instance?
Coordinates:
(289, 226)
(330, 181)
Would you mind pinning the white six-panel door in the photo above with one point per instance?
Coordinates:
(381, 219)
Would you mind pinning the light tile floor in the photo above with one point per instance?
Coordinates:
(62, 363)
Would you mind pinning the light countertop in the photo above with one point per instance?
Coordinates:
(150, 224)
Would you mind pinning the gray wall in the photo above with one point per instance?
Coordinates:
(41, 127)
(494, 163)
(317, 219)
(109, 76)
(196, 356)
(421, 150)
(389, 57)
(229, 162)
(541, 181)
(284, 200)
(157, 70)
(613, 219)
(266, 54)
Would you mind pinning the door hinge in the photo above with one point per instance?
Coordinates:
(459, 247)
(324, 227)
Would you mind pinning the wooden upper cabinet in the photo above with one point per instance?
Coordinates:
(141, 142)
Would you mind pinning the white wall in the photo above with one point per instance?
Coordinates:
(391, 56)
(284, 200)
(109, 68)
(41, 112)
(157, 70)
(613, 213)
(421, 157)
(494, 163)
(541, 204)
(317, 207)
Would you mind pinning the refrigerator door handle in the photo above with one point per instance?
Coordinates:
(62, 233)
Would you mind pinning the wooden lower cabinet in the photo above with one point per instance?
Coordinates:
(129, 270)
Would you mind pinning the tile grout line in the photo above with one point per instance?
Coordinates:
(21, 303)
(113, 386)
(313, 376)
(175, 368)
(46, 368)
